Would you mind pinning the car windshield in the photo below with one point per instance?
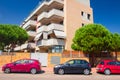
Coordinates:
(70, 62)
(102, 63)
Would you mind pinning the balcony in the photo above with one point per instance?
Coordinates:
(54, 26)
(41, 29)
(50, 27)
(25, 46)
(30, 24)
(46, 5)
(52, 14)
(50, 42)
(31, 33)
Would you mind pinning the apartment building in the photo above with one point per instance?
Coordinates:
(52, 25)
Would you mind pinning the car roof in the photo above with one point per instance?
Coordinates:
(29, 59)
(78, 59)
(108, 60)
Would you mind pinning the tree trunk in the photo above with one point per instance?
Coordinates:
(92, 58)
(115, 55)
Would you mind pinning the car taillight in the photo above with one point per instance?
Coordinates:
(89, 65)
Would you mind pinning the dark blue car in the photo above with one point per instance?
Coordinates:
(73, 66)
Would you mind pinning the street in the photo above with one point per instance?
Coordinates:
(48, 75)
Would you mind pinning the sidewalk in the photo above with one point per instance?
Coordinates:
(47, 69)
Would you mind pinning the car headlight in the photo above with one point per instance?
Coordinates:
(57, 66)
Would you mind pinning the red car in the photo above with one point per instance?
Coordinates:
(109, 66)
(24, 65)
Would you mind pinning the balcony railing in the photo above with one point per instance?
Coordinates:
(30, 23)
(51, 13)
(40, 6)
(41, 29)
(31, 33)
(25, 46)
(56, 27)
(50, 42)
(52, 26)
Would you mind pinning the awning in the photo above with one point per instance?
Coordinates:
(38, 36)
(18, 48)
(60, 34)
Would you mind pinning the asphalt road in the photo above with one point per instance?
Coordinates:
(51, 76)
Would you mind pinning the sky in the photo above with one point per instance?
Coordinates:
(105, 12)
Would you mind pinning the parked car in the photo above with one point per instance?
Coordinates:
(24, 65)
(108, 66)
(73, 66)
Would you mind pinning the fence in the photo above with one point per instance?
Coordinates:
(74, 54)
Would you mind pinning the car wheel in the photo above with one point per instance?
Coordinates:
(86, 71)
(33, 71)
(61, 71)
(7, 70)
(107, 72)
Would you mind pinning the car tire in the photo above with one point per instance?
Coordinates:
(86, 72)
(7, 70)
(33, 71)
(61, 71)
(107, 72)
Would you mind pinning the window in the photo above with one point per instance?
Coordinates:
(61, 22)
(61, 9)
(83, 24)
(88, 16)
(82, 13)
(58, 49)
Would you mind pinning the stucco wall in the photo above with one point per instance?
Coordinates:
(73, 19)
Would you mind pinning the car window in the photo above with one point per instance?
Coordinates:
(71, 62)
(84, 62)
(19, 62)
(102, 63)
(118, 63)
(81, 62)
(112, 63)
(78, 61)
(22, 62)
(26, 61)
(31, 61)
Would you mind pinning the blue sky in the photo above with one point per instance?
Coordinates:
(106, 12)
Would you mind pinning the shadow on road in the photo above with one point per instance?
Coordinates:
(76, 74)
(40, 72)
(107, 75)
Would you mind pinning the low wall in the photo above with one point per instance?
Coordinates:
(118, 56)
(62, 59)
(50, 55)
(8, 58)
